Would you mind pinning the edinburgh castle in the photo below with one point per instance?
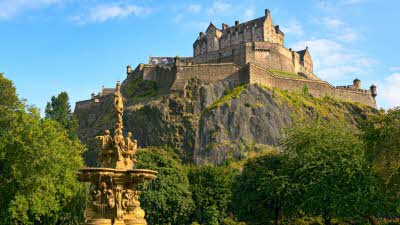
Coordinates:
(249, 52)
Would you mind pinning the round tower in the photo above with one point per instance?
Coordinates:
(373, 91)
(357, 84)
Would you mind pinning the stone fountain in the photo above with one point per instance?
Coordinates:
(114, 185)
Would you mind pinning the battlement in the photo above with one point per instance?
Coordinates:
(175, 77)
(257, 41)
(249, 52)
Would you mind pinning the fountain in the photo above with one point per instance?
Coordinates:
(114, 185)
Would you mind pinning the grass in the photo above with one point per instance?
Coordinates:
(281, 73)
(228, 96)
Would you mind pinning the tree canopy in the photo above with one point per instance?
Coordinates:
(59, 109)
(38, 163)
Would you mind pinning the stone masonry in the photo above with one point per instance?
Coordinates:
(250, 52)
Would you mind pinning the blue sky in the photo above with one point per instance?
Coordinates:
(49, 46)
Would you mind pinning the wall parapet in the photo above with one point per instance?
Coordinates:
(317, 88)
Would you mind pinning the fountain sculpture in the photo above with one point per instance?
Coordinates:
(114, 185)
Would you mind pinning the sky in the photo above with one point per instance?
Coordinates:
(50, 46)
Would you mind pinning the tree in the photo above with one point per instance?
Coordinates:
(38, 163)
(327, 161)
(59, 109)
(263, 192)
(167, 200)
(381, 134)
(211, 190)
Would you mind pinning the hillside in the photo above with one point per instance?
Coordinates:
(213, 122)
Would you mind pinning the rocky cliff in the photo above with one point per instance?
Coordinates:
(213, 122)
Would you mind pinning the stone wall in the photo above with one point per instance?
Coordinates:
(265, 54)
(316, 88)
(205, 73)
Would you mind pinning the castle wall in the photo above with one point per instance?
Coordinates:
(206, 73)
(316, 88)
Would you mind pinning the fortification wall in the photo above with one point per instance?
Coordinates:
(316, 88)
(206, 73)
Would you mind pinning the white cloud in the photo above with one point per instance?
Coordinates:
(332, 23)
(390, 90)
(248, 14)
(194, 8)
(332, 61)
(338, 29)
(348, 35)
(11, 8)
(352, 2)
(220, 8)
(293, 28)
(103, 13)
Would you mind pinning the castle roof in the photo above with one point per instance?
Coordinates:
(241, 26)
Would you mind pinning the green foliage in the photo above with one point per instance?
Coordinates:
(327, 163)
(381, 133)
(228, 96)
(211, 191)
(281, 73)
(167, 200)
(59, 109)
(38, 164)
(263, 192)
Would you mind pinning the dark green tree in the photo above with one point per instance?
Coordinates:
(327, 161)
(381, 134)
(167, 200)
(38, 163)
(264, 193)
(211, 190)
(59, 109)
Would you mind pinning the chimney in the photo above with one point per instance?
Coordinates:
(236, 23)
(267, 13)
(128, 69)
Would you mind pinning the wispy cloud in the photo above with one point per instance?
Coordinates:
(332, 61)
(11, 8)
(390, 90)
(105, 12)
(194, 8)
(293, 28)
(338, 29)
(220, 8)
(394, 68)
(352, 2)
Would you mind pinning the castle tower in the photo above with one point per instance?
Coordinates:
(357, 84)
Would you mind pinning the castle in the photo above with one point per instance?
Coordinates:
(249, 52)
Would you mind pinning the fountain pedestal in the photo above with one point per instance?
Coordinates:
(114, 185)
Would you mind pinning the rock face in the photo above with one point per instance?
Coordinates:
(213, 122)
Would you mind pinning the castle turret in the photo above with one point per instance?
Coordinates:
(267, 12)
(357, 84)
(128, 69)
(373, 91)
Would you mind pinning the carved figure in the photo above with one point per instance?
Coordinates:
(106, 140)
(131, 146)
(119, 141)
(118, 103)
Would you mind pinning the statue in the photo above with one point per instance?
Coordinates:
(118, 103)
(106, 140)
(105, 147)
(115, 195)
(131, 146)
